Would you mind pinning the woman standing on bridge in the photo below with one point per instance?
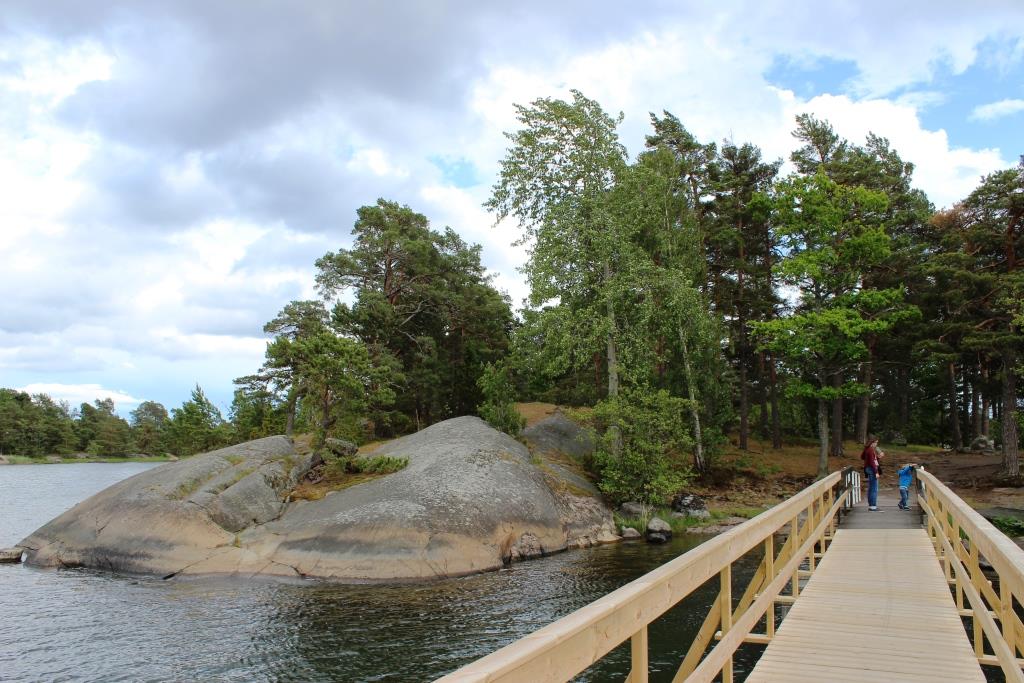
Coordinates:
(871, 455)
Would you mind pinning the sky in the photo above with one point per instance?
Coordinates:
(170, 170)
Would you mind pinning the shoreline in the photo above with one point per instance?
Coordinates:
(59, 460)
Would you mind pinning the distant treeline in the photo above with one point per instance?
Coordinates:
(37, 425)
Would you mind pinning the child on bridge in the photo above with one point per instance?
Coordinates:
(906, 474)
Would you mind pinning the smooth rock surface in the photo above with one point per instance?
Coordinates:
(629, 533)
(559, 434)
(10, 555)
(658, 531)
(633, 509)
(175, 516)
(470, 500)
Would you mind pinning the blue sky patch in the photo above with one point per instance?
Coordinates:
(458, 171)
(808, 77)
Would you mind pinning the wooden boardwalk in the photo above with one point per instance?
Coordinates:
(877, 608)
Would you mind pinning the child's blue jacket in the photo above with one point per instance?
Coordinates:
(906, 476)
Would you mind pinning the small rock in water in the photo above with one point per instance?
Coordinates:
(658, 531)
(629, 533)
(10, 555)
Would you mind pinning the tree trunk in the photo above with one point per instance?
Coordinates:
(822, 438)
(975, 407)
(762, 426)
(293, 401)
(985, 407)
(741, 322)
(613, 366)
(1011, 446)
(837, 417)
(613, 361)
(776, 418)
(744, 405)
(699, 462)
(864, 401)
(904, 401)
(954, 412)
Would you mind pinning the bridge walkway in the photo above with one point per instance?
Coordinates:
(887, 595)
(876, 608)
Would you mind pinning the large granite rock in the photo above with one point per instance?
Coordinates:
(559, 434)
(470, 500)
(559, 446)
(174, 516)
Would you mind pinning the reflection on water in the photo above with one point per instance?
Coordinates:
(78, 625)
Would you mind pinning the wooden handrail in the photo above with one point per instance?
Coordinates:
(561, 650)
(961, 538)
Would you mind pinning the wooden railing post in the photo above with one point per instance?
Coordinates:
(565, 648)
(726, 606)
(979, 637)
(1000, 625)
(1006, 616)
(769, 576)
(639, 655)
(795, 533)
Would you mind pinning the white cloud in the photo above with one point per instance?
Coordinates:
(997, 110)
(376, 162)
(76, 394)
(159, 241)
(945, 172)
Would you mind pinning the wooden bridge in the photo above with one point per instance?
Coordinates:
(841, 594)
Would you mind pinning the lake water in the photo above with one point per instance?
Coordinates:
(83, 625)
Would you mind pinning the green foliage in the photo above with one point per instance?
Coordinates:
(640, 453)
(365, 464)
(380, 464)
(257, 412)
(35, 425)
(498, 408)
(423, 307)
(197, 426)
(149, 423)
(1011, 526)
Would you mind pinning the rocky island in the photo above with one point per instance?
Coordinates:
(471, 499)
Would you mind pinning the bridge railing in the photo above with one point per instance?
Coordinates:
(963, 539)
(570, 645)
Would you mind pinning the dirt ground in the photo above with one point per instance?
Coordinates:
(765, 476)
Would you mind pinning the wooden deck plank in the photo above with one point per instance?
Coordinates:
(878, 606)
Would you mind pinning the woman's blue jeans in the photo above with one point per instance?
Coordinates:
(869, 472)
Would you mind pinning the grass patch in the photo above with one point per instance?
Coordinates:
(746, 512)
(1011, 526)
(379, 464)
(186, 489)
(559, 484)
(332, 481)
(684, 524)
(342, 474)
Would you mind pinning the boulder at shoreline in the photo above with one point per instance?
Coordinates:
(471, 499)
